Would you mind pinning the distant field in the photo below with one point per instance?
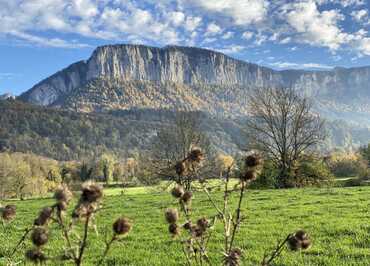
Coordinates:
(337, 218)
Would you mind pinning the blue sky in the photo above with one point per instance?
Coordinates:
(40, 37)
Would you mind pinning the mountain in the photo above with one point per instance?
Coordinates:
(126, 76)
(137, 77)
(6, 96)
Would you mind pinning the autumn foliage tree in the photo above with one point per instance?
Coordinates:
(284, 126)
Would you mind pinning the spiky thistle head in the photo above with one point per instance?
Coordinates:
(91, 192)
(196, 155)
(203, 223)
(39, 236)
(63, 194)
(187, 196)
(44, 216)
(177, 191)
(9, 212)
(233, 258)
(248, 175)
(174, 229)
(171, 215)
(121, 226)
(253, 160)
(35, 256)
(299, 240)
(180, 168)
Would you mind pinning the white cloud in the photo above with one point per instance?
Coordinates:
(286, 40)
(213, 29)
(260, 39)
(52, 42)
(177, 18)
(192, 23)
(228, 35)
(347, 3)
(232, 49)
(242, 12)
(360, 15)
(315, 27)
(286, 65)
(247, 35)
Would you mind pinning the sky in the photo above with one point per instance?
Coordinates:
(40, 37)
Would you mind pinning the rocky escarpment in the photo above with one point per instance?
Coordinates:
(126, 76)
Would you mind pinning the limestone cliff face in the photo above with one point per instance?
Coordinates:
(175, 64)
(136, 62)
(136, 70)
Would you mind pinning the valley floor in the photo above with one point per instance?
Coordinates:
(336, 218)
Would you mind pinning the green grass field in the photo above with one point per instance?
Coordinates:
(336, 218)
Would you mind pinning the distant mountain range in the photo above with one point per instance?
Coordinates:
(127, 76)
(123, 77)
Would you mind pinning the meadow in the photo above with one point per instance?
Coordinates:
(337, 220)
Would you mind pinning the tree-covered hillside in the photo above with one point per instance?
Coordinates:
(69, 135)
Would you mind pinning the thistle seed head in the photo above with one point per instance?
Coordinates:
(203, 223)
(197, 231)
(299, 240)
(62, 206)
(44, 216)
(63, 194)
(35, 256)
(171, 215)
(121, 226)
(186, 197)
(177, 191)
(174, 229)
(196, 155)
(233, 258)
(249, 175)
(9, 212)
(180, 168)
(187, 225)
(39, 236)
(253, 160)
(91, 192)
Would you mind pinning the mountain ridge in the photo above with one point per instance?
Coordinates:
(197, 71)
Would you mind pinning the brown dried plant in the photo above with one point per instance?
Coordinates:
(84, 212)
(198, 233)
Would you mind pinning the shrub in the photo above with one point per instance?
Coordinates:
(347, 164)
(312, 171)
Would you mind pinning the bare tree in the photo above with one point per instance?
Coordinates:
(283, 125)
(174, 142)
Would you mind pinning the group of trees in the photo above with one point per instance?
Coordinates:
(24, 175)
(281, 125)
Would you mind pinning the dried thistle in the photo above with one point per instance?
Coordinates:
(299, 240)
(63, 194)
(253, 160)
(174, 229)
(233, 258)
(180, 168)
(177, 191)
(91, 192)
(44, 216)
(171, 216)
(121, 226)
(39, 236)
(9, 212)
(188, 225)
(203, 223)
(186, 197)
(249, 175)
(196, 155)
(35, 256)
